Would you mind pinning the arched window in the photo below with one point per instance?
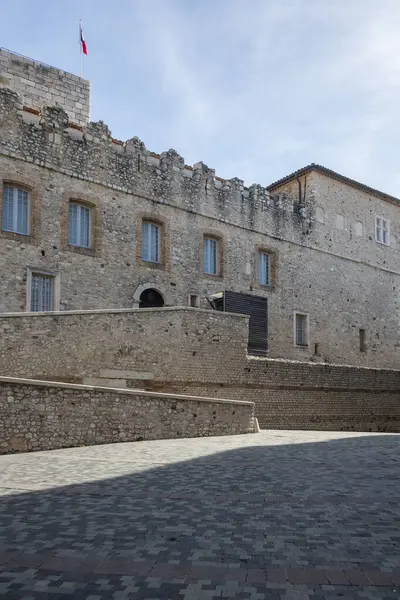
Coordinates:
(358, 228)
(151, 298)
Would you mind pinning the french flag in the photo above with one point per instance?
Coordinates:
(82, 39)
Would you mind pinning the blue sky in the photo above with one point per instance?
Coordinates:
(254, 88)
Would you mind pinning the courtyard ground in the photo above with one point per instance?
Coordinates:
(278, 515)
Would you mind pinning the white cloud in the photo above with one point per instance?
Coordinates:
(257, 89)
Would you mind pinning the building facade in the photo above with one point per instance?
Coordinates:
(90, 222)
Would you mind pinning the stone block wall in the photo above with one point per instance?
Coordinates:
(41, 85)
(198, 353)
(124, 346)
(296, 395)
(43, 416)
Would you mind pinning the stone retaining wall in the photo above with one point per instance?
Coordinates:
(37, 415)
(197, 353)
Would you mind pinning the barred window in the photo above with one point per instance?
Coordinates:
(15, 214)
(42, 293)
(150, 242)
(79, 225)
(210, 256)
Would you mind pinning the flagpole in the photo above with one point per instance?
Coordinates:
(80, 45)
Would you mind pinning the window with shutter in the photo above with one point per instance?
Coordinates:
(150, 242)
(264, 268)
(15, 213)
(210, 256)
(382, 231)
(301, 329)
(79, 231)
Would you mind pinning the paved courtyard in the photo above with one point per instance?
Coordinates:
(278, 515)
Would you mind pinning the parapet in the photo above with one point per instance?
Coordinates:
(38, 84)
(50, 138)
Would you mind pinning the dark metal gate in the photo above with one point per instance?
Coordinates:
(254, 306)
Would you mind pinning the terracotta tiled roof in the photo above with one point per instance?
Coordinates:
(333, 175)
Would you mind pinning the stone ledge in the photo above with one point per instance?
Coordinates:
(123, 391)
(323, 365)
(100, 311)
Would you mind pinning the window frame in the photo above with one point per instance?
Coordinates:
(16, 187)
(296, 314)
(268, 283)
(383, 229)
(207, 237)
(81, 205)
(31, 273)
(158, 227)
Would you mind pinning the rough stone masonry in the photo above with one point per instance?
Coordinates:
(42, 416)
(318, 229)
(195, 352)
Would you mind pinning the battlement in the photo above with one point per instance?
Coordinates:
(39, 84)
(50, 138)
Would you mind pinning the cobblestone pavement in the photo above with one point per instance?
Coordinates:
(279, 515)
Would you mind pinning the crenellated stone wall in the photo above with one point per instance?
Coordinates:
(343, 281)
(48, 138)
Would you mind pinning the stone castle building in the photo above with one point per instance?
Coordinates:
(91, 222)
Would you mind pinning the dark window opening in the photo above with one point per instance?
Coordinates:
(363, 345)
(150, 299)
(194, 301)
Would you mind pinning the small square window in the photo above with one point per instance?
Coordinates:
(194, 301)
(264, 268)
(79, 231)
(382, 231)
(150, 242)
(210, 256)
(15, 213)
(301, 333)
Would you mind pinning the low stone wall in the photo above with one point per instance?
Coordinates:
(37, 415)
(196, 352)
(296, 395)
(108, 347)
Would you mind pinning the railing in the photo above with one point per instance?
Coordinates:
(27, 57)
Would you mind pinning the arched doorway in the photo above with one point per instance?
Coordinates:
(150, 298)
(166, 297)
